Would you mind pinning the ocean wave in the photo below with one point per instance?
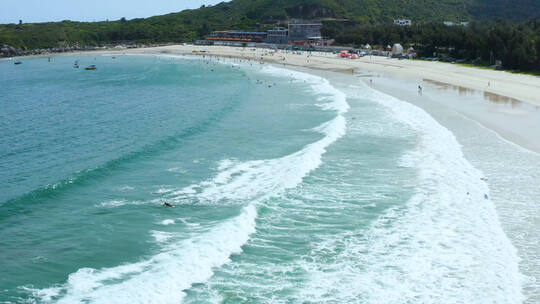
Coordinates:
(444, 245)
(164, 277)
(91, 174)
(238, 182)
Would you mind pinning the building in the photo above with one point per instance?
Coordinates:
(314, 42)
(278, 35)
(238, 36)
(403, 22)
(300, 34)
(304, 31)
(450, 23)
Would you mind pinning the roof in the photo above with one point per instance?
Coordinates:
(247, 33)
(305, 24)
(230, 39)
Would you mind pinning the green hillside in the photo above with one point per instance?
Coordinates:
(258, 14)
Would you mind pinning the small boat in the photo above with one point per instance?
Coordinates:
(17, 62)
(91, 68)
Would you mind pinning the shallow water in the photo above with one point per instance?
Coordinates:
(286, 188)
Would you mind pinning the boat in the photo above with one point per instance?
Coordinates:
(76, 65)
(17, 62)
(91, 68)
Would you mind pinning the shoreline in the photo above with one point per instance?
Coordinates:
(504, 159)
(509, 106)
(521, 87)
(502, 110)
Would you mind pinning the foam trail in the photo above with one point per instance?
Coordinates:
(164, 277)
(257, 179)
(441, 246)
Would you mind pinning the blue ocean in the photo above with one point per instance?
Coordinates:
(284, 187)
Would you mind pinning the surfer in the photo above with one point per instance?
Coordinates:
(167, 205)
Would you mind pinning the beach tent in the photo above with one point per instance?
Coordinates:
(397, 50)
(344, 54)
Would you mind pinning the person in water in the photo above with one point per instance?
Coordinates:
(167, 204)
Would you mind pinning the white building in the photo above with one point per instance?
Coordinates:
(403, 22)
(450, 23)
(301, 31)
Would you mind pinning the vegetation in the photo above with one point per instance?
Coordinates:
(517, 45)
(257, 14)
(368, 21)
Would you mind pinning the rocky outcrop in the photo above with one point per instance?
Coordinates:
(8, 51)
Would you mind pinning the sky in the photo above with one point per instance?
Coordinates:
(11, 11)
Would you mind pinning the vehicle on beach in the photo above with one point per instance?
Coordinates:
(91, 68)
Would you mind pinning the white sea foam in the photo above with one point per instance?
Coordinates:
(161, 236)
(177, 170)
(163, 277)
(167, 222)
(257, 179)
(442, 246)
(125, 188)
(237, 182)
(118, 203)
(337, 100)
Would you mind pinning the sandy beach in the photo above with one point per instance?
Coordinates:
(504, 102)
(517, 86)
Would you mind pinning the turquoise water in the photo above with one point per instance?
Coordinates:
(287, 189)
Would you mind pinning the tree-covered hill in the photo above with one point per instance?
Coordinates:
(256, 15)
